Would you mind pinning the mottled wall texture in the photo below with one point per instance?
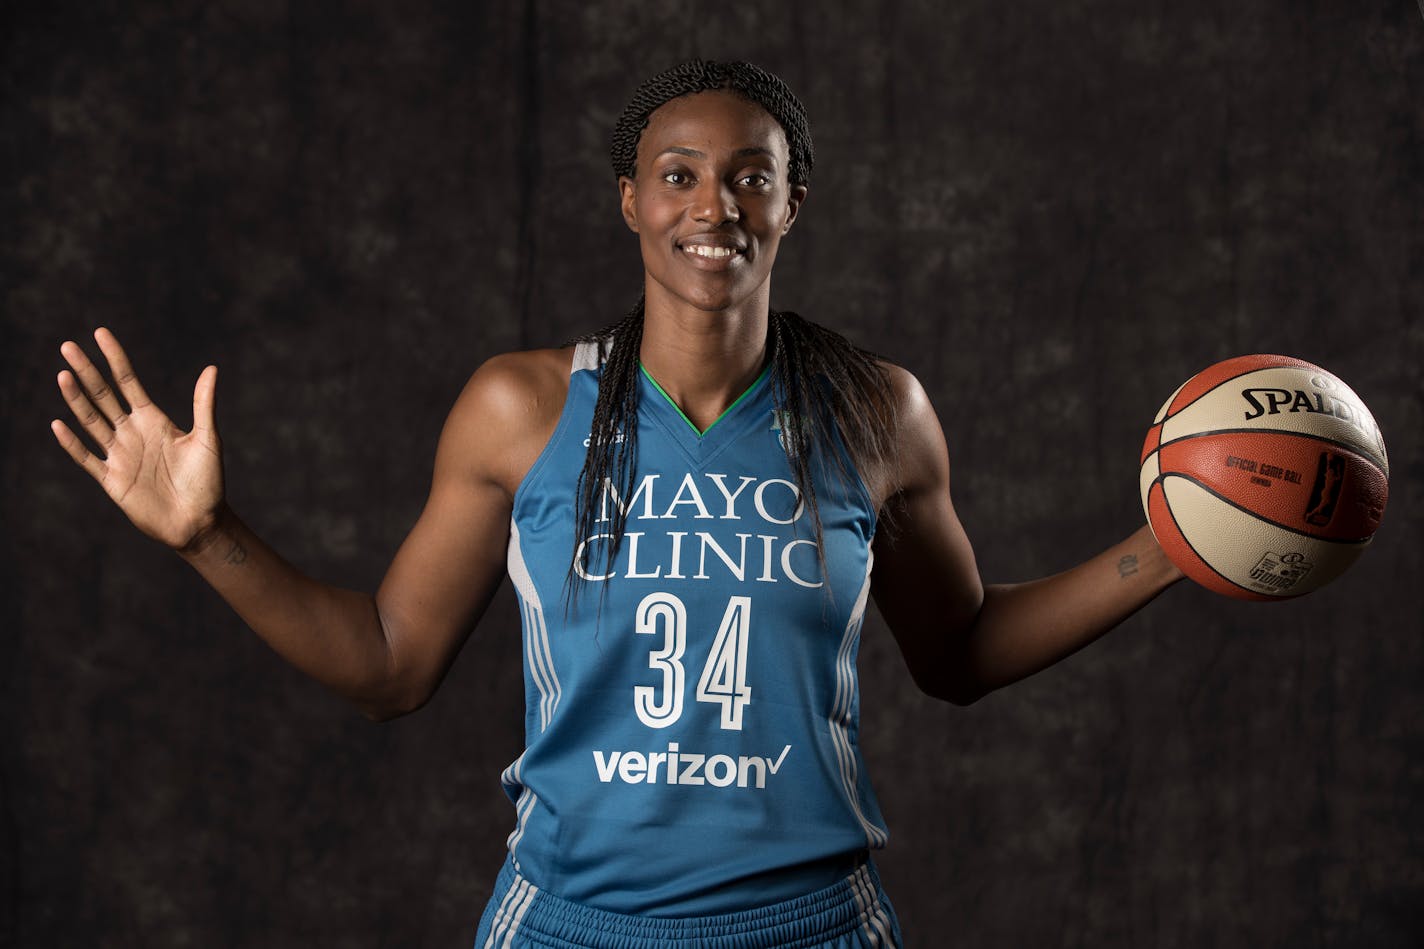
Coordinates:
(1053, 213)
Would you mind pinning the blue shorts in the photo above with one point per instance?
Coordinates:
(852, 913)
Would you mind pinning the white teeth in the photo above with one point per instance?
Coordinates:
(705, 250)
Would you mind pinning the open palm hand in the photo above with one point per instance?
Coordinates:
(169, 482)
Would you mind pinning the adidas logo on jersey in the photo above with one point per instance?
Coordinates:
(617, 438)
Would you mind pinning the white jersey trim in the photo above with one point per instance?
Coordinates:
(536, 632)
(539, 659)
(841, 712)
(510, 914)
(875, 926)
(585, 356)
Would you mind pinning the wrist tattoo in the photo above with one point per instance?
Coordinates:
(1127, 566)
(237, 555)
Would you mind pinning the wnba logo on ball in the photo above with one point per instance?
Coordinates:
(1234, 506)
(1329, 476)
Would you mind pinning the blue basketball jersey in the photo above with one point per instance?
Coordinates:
(692, 713)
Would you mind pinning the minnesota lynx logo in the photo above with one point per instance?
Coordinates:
(781, 425)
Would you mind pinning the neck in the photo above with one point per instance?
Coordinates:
(704, 359)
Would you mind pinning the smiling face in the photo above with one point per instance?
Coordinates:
(710, 201)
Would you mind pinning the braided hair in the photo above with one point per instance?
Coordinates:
(751, 82)
(822, 384)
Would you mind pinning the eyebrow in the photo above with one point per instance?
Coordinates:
(739, 153)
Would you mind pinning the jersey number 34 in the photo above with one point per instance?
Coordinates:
(724, 676)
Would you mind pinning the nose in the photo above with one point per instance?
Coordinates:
(714, 203)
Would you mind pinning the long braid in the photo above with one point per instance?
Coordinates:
(823, 386)
(612, 452)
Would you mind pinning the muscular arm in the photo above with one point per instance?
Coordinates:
(960, 638)
(386, 651)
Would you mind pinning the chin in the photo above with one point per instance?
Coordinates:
(717, 299)
(716, 305)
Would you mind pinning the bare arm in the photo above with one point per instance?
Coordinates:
(336, 636)
(386, 652)
(960, 638)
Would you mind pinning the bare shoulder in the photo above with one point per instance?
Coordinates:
(910, 396)
(921, 459)
(505, 416)
(518, 382)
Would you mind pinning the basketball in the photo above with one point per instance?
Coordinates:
(1264, 477)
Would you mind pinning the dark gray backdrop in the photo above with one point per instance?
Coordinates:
(1053, 213)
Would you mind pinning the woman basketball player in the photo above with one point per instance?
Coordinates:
(688, 505)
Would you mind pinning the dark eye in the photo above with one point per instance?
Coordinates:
(675, 177)
(755, 180)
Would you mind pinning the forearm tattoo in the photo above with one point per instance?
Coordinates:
(237, 555)
(1127, 566)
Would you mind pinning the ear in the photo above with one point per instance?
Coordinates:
(627, 190)
(793, 205)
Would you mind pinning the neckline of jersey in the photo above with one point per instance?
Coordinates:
(725, 412)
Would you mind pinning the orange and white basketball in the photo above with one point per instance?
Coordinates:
(1264, 477)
